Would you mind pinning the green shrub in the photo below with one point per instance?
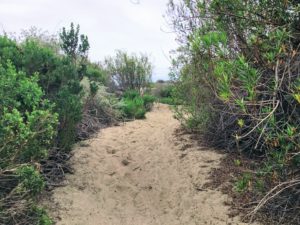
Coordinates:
(135, 106)
(100, 102)
(148, 101)
(27, 213)
(96, 73)
(239, 78)
(27, 122)
(29, 180)
(40, 216)
(56, 75)
(69, 107)
(41, 106)
(10, 51)
(28, 127)
(167, 100)
(131, 94)
(128, 108)
(140, 113)
(243, 183)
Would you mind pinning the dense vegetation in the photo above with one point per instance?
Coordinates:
(52, 96)
(40, 108)
(235, 80)
(237, 77)
(135, 106)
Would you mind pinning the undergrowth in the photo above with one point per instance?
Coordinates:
(236, 77)
(135, 106)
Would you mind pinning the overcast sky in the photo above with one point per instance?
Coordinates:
(109, 24)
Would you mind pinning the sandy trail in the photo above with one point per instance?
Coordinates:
(140, 173)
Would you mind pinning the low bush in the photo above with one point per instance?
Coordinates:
(164, 92)
(69, 106)
(25, 213)
(30, 180)
(148, 101)
(135, 106)
(131, 94)
(167, 100)
(140, 113)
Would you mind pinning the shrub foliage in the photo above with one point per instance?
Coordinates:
(41, 106)
(51, 96)
(237, 78)
(135, 106)
(128, 72)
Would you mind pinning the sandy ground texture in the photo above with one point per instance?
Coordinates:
(141, 173)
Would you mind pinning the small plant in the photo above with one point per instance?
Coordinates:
(140, 113)
(30, 180)
(237, 162)
(167, 100)
(135, 106)
(148, 101)
(131, 94)
(40, 216)
(259, 185)
(243, 183)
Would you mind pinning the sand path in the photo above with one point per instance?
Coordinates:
(140, 173)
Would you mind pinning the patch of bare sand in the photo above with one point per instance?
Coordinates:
(141, 174)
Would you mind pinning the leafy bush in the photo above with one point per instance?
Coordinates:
(28, 126)
(140, 113)
(128, 72)
(148, 101)
(58, 75)
(135, 106)
(96, 73)
(164, 92)
(29, 180)
(168, 101)
(237, 75)
(9, 51)
(40, 216)
(25, 213)
(27, 122)
(41, 105)
(131, 94)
